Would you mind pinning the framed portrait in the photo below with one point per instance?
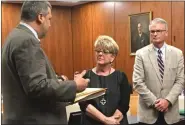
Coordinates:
(139, 31)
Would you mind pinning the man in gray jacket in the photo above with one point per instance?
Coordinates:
(158, 78)
(31, 92)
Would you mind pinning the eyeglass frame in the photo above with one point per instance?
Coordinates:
(156, 31)
(103, 51)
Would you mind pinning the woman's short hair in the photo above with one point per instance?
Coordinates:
(107, 43)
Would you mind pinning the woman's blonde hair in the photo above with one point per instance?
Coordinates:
(106, 43)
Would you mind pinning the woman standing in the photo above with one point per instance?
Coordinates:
(113, 106)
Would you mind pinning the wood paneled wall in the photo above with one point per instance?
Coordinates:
(178, 26)
(10, 18)
(124, 61)
(82, 37)
(111, 18)
(160, 9)
(70, 40)
(58, 41)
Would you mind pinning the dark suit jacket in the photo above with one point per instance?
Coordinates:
(31, 91)
(142, 41)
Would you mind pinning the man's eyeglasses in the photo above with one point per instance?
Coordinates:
(156, 31)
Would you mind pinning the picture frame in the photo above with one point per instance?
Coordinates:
(139, 31)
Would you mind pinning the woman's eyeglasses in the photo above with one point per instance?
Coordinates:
(103, 51)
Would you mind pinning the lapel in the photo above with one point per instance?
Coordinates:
(51, 70)
(153, 60)
(168, 60)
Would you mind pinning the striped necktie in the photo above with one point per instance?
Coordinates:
(160, 63)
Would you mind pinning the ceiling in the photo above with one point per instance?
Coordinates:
(68, 3)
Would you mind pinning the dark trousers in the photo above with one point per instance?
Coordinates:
(160, 121)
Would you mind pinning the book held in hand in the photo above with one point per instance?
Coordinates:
(89, 93)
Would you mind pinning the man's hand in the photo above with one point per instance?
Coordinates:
(64, 77)
(61, 77)
(81, 83)
(161, 105)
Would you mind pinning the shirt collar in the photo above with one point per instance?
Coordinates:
(162, 48)
(30, 28)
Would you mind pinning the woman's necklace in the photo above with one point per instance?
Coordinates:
(103, 100)
(103, 74)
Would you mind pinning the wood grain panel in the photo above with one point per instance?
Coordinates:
(124, 61)
(58, 42)
(178, 25)
(178, 15)
(159, 9)
(70, 46)
(10, 18)
(178, 39)
(103, 20)
(133, 105)
(82, 37)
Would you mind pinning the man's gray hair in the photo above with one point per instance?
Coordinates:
(31, 9)
(159, 20)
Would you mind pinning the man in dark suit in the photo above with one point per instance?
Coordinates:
(32, 93)
(142, 38)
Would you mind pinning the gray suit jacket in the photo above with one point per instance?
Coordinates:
(31, 92)
(146, 81)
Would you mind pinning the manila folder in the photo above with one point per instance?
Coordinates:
(89, 93)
